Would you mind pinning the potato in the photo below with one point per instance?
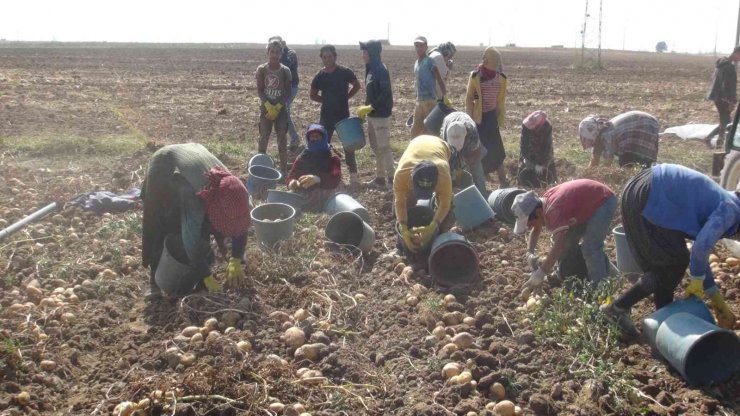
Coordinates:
(451, 370)
(244, 346)
(412, 300)
(469, 320)
(504, 408)
(229, 330)
(498, 391)
(460, 379)
(449, 348)
(450, 298)
(48, 365)
(453, 318)
(213, 336)
(399, 268)
(463, 340)
(279, 316)
(187, 359)
(439, 332)
(360, 297)
(713, 258)
(732, 261)
(294, 337)
(211, 324)
(299, 408)
(276, 407)
(196, 338)
(300, 315)
(309, 351)
(34, 293)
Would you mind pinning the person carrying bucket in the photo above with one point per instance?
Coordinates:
(661, 208)
(274, 89)
(330, 88)
(427, 77)
(423, 170)
(578, 211)
(442, 56)
(485, 103)
(459, 130)
(377, 111)
(536, 160)
(631, 136)
(317, 171)
(189, 192)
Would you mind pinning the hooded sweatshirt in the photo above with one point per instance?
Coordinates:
(724, 81)
(318, 159)
(377, 81)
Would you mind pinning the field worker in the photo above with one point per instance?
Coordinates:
(485, 102)
(459, 130)
(331, 88)
(631, 136)
(724, 91)
(274, 89)
(442, 57)
(661, 208)
(423, 170)
(289, 58)
(377, 111)
(536, 160)
(190, 193)
(428, 78)
(317, 171)
(576, 211)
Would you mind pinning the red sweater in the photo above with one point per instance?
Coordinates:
(326, 167)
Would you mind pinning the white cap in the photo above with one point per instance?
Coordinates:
(523, 205)
(456, 133)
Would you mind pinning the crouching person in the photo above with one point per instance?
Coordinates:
(536, 160)
(317, 171)
(459, 130)
(661, 208)
(189, 195)
(578, 211)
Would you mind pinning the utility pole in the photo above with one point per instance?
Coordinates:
(737, 33)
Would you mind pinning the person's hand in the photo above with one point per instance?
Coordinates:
(426, 233)
(277, 108)
(308, 181)
(211, 284)
(536, 279)
(539, 169)
(270, 112)
(725, 318)
(695, 287)
(364, 110)
(447, 101)
(533, 260)
(294, 185)
(408, 238)
(234, 273)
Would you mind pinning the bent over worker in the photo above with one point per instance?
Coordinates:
(459, 130)
(632, 137)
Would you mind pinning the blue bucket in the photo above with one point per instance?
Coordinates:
(343, 202)
(261, 159)
(626, 263)
(435, 118)
(692, 305)
(273, 222)
(261, 178)
(453, 260)
(350, 133)
(471, 209)
(293, 199)
(346, 227)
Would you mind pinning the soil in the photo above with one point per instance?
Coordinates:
(80, 337)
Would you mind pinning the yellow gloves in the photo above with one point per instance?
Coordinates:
(408, 238)
(272, 110)
(447, 101)
(426, 234)
(364, 110)
(234, 273)
(695, 287)
(725, 317)
(211, 284)
(308, 181)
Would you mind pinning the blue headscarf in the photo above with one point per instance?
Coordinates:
(317, 146)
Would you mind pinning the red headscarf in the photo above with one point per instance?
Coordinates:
(227, 203)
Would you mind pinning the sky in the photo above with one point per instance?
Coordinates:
(685, 25)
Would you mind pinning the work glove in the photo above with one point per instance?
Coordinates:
(447, 101)
(539, 169)
(211, 284)
(234, 273)
(270, 112)
(426, 233)
(536, 279)
(533, 260)
(408, 238)
(294, 185)
(695, 287)
(725, 317)
(364, 110)
(308, 181)
(277, 108)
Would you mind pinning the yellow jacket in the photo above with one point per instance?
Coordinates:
(435, 150)
(474, 105)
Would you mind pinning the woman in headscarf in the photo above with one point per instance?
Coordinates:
(485, 102)
(317, 171)
(632, 137)
(190, 194)
(536, 161)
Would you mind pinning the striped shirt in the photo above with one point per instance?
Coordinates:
(489, 90)
(633, 132)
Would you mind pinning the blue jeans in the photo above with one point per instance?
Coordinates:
(592, 244)
(294, 136)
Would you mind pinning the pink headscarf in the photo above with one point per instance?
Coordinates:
(535, 120)
(227, 203)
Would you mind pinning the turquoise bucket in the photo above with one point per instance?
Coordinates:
(350, 133)
(261, 159)
(435, 118)
(261, 178)
(346, 227)
(293, 199)
(174, 274)
(343, 202)
(626, 263)
(471, 209)
(273, 222)
(453, 260)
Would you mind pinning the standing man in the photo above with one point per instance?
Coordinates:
(290, 59)
(330, 88)
(378, 107)
(273, 88)
(442, 57)
(427, 79)
(723, 92)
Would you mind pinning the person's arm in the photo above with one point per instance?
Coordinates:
(719, 222)
(556, 251)
(192, 222)
(400, 192)
(525, 145)
(287, 86)
(444, 195)
(330, 179)
(470, 96)
(595, 156)
(731, 86)
(440, 81)
(501, 102)
(260, 76)
(295, 170)
(355, 88)
(314, 94)
(534, 237)
(384, 88)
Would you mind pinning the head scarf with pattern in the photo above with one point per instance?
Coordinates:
(227, 203)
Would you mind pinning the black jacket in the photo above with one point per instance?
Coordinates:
(377, 82)
(724, 81)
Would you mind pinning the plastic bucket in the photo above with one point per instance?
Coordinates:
(701, 351)
(261, 159)
(273, 222)
(453, 260)
(293, 199)
(343, 202)
(433, 122)
(466, 179)
(692, 305)
(350, 133)
(174, 275)
(261, 178)
(471, 209)
(500, 201)
(625, 262)
(348, 228)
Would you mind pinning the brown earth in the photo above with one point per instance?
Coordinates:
(75, 119)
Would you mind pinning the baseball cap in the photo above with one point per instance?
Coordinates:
(522, 207)
(456, 133)
(420, 39)
(424, 178)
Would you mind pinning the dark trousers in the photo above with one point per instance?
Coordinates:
(725, 110)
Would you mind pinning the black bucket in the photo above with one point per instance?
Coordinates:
(433, 121)
(500, 201)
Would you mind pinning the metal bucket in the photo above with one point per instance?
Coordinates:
(625, 262)
(261, 159)
(471, 209)
(343, 202)
(174, 274)
(433, 121)
(293, 199)
(273, 222)
(348, 228)
(453, 260)
(350, 133)
(261, 178)
(500, 201)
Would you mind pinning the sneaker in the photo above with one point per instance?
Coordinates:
(621, 318)
(377, 182)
